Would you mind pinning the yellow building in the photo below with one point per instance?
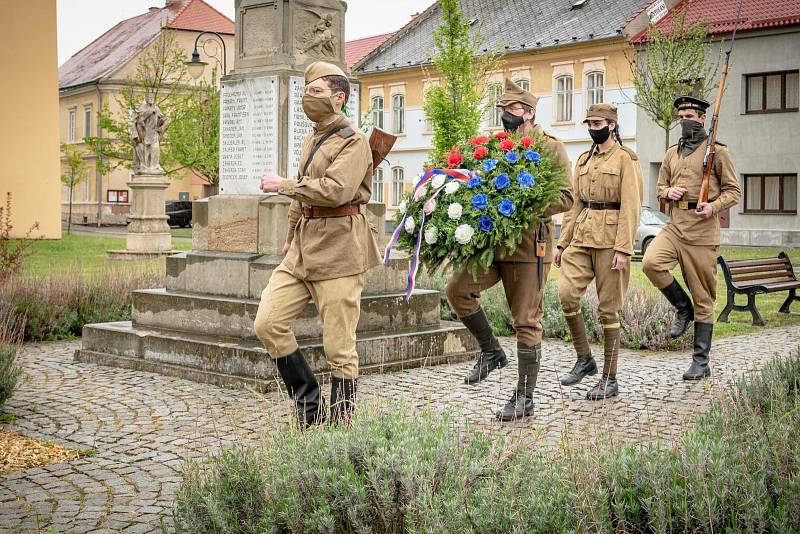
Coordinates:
(91, 80)
(29, 151)
(569, 54)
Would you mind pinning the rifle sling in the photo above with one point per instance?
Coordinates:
(319, 144)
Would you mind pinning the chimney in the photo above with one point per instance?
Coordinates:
(168, 3)
(415, 15)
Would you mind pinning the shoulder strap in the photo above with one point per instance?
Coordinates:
(630, 152)
(319, 144)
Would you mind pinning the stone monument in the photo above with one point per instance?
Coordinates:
(200, 326)
(148, 232)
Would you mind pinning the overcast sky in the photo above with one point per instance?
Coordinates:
(82, 21)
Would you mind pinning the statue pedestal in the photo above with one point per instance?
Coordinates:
(148, 232)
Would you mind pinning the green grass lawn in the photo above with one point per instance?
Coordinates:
(181, 232)
(84, 252)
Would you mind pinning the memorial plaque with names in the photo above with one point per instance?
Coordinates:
(299, 125)
(248, 134)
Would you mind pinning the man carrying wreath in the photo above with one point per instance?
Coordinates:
(522, 281)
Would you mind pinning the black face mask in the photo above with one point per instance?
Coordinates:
(600, 136)
(511, 122)
(693, 134)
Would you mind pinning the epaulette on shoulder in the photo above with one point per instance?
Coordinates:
(344, 133)
(631, 153)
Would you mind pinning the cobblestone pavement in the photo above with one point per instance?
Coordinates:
(143, 426)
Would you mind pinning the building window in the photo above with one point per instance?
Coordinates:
(87, 121)
(377, 111)
(770, 193)
(495, 90)
(71, 125)
(399, 113)
(524, 84)
(594, 87)
(398, 186)
(377, 185)
(564, 98)
(772, 92)
(85, 185)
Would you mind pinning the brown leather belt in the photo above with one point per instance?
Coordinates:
(603, 205)
(313, 212)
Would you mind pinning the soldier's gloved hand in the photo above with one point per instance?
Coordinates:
(620, 261)
(704, 210)
(557, 257)
(676, 193)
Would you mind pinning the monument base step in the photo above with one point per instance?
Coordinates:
(233, 362)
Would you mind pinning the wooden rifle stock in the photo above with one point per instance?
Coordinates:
(380, 143)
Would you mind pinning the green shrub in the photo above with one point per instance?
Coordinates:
(10, 337)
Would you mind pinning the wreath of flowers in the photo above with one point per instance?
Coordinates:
(493, 188)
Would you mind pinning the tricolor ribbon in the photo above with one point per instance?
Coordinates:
(461, 175)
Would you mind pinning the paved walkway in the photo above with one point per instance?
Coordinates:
(143, 426)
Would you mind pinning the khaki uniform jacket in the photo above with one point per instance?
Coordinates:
(613, 176)
(723, 192)
(526, 250)
(340, 174)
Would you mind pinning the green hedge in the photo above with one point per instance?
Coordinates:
(737, 469)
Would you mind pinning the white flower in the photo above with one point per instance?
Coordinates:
(431, 235)
(403, 207)
(410, 225)
(452, 186)
(438, 180)
(429, 206)
(454, 211)
(421, 192)
(463, 233)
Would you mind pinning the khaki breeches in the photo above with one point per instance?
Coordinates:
(698, 266)
(338, 302)
(581, 265)
(522, 291)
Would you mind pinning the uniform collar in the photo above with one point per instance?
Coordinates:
(328, 127)
(607, 153)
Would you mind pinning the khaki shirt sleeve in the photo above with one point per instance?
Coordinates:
(730, 193)
(341, 180)
(630, 209)
(568, 223)
(294, 216)
(566, 201)
(662, 187)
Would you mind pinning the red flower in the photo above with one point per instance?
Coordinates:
(480, 152)
(454, 159)
(526, 141)
(478, 141)
(507, 144)
(501, 135)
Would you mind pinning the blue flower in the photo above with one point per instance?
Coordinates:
(479, 202)
(489, 165)
(526, 179)
(501, 181)
(485, 223)
(474, 182)
(533, 156)
(506, 207)
(511, 157)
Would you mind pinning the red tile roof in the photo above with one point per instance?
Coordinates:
(358, 48)
(198, 16)
(720, 15)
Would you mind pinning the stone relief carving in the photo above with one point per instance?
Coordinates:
(319, 37)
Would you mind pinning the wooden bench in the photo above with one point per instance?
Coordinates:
(751, 277)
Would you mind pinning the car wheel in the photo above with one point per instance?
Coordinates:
(645, 244)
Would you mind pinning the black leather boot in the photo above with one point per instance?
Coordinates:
(606, 387)
(521, 403)
(343, 399)
(684, 310)
(303, 387)
(492, 355)
(702, 345)
(584, 366)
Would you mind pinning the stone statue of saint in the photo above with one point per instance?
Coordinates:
(149, 126)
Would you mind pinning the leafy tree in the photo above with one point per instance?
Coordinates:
(75, 173)
(672, 63)
(455, 105)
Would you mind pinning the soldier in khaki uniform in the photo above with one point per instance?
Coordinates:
(519, 273)
(691, 237)
(596, 242)
(329, 247)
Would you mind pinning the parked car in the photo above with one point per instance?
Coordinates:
(650, 224)
(179, 213)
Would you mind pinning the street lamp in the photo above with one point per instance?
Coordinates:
(196, 67)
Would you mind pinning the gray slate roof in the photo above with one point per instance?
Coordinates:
(507, 25)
